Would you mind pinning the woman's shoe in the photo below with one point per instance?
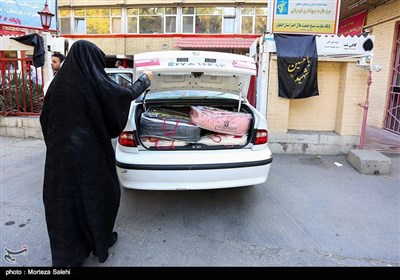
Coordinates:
(114, 238)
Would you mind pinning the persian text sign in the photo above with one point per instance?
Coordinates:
(305, 17)
(25, 13)
(342, 46)
(333, 45)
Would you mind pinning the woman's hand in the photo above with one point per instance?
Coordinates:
(149, 74)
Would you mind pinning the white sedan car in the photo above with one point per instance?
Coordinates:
(194, 129)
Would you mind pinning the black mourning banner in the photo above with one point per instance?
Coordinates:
(36, 41)
(297, 65)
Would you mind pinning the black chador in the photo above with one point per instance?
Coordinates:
(82, 111)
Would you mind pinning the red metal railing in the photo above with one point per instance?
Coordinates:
(21, 87)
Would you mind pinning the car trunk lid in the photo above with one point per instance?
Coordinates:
(202, 70)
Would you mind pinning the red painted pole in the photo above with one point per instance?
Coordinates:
(365, 114)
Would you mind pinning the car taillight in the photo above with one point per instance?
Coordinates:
(261, 137)
(126, 139)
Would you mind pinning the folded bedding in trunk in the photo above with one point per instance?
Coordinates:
(219, 120)
(219, 139)
(160, 143)
(168, 124)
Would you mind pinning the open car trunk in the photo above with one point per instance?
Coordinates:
(196, 100)
(189, 125)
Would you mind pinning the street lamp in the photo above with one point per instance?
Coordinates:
(45, 17)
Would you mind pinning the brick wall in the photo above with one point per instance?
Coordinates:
(317, 113)
(352, 93)
(342, 87)
(277, 108)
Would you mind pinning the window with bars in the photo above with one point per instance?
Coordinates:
(219, 20)
(151, 20)
(253, 20)
(91, 21)
(64, 21)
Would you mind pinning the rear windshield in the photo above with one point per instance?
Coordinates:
(190, 94)
(123, 79)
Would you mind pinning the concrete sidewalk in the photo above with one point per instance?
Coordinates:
(312, 211)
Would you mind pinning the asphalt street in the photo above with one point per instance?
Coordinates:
(312, 211)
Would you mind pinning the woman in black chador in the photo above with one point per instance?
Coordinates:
(82, 111)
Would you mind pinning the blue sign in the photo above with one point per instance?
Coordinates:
(282, 7)
(25, 13)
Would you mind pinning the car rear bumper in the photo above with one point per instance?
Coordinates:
(178, 167)
(193, 176)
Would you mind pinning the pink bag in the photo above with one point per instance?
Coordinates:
(222, 121)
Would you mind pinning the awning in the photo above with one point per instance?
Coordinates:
(214, 43)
